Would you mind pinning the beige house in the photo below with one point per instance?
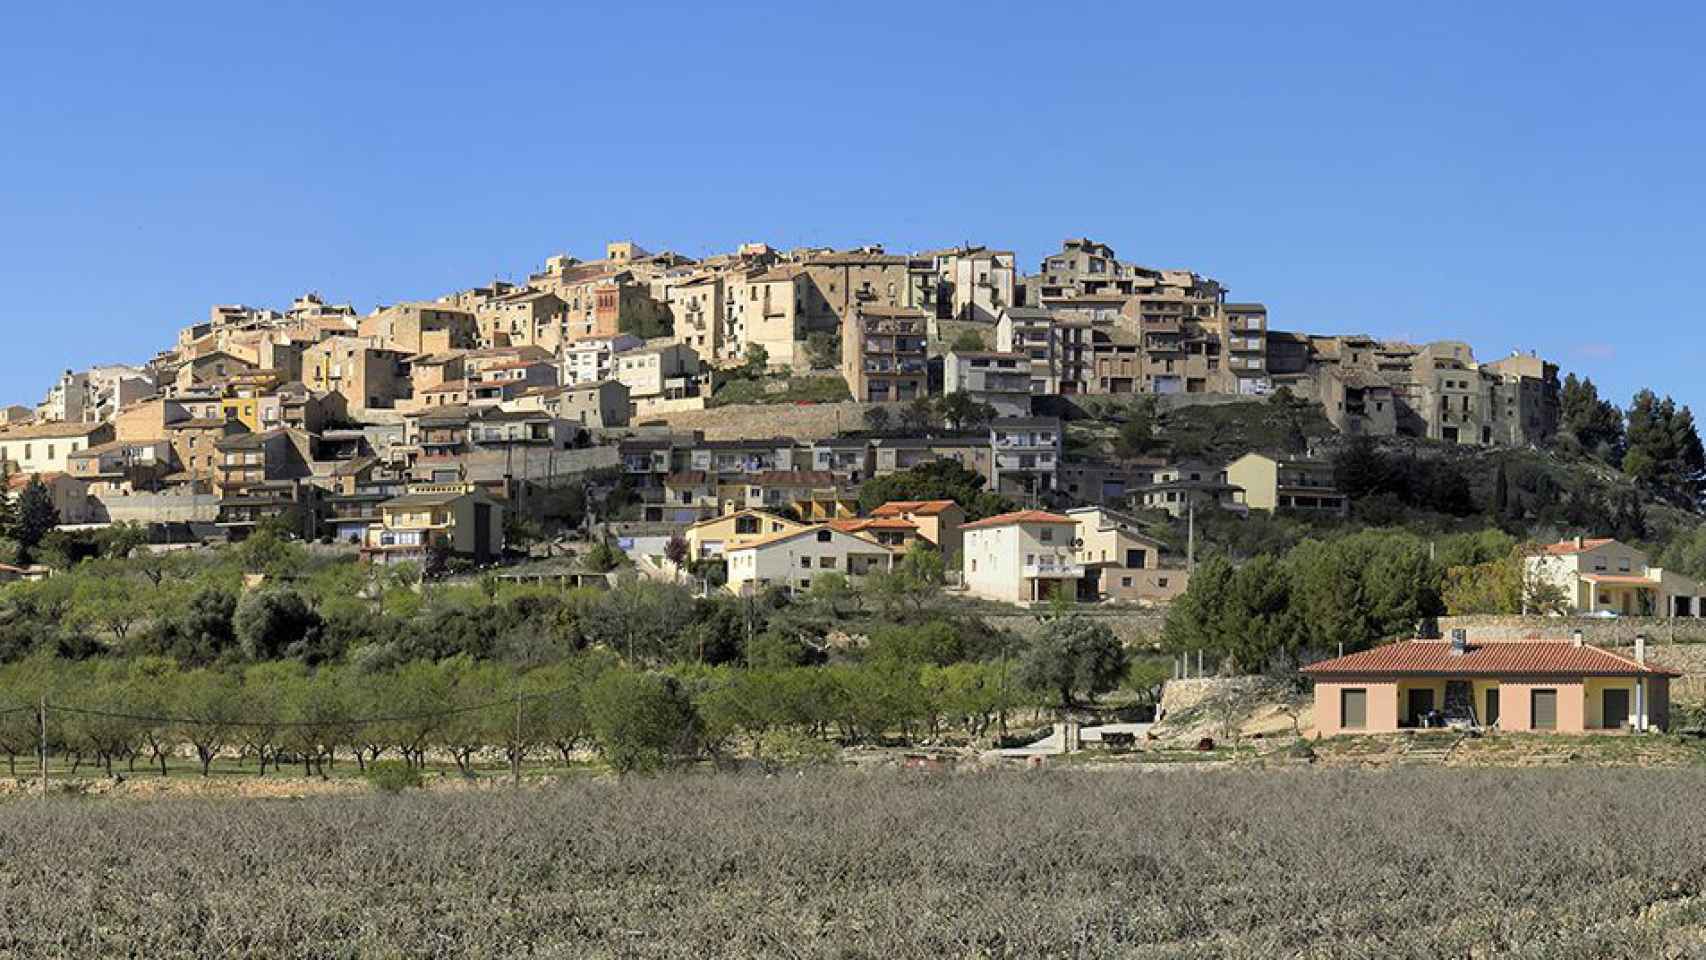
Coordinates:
(458, 518)
(596, 406)
(1023, 557)
(1608, 577)
(658, 370)
(938, 521)
(791, 560)
(46, 447)
(1272, 484)
(768, 309)
(713, 537)
(365, 376)
(1544, 686)
(413, 328)
(532, 317)
(696, 308)
(1121, 563)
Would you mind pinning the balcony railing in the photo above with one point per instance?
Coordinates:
(1052, 569)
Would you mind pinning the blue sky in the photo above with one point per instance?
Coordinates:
(1514, 175)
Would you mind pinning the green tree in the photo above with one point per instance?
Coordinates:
(918, 415)
(1664, 449)
(1074, 655)
(211, 706)
(823, 349)
(640, 722)
(876, 419)
(961, 410)
(913, 587)
(937, 480)
(969, 341)
(34, 514)
(274, 623)
(757, 360)
(1137, 435)
(1592, 425)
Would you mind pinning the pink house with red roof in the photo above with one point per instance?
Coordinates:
(1552, 686)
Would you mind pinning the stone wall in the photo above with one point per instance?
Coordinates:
(1133, 628)
(159, 508)
(1604, 631)
(737, 421)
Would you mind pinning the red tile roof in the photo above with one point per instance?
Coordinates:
(1020, 516)
(1567, 547)
(855, 524)
(1502, 658)
(924, 508)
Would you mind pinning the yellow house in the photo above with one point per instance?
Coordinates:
(715, 536)
(1606, 576)
(1271, 484)
(454, 517)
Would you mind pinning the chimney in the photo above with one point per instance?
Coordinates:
(1576, 637)
(1579, 543)
(1459, 642)
(1641, 649)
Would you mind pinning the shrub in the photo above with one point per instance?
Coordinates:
(393, 776)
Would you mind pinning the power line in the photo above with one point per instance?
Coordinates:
(333, 722)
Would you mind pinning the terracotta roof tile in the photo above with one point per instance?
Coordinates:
(924, 508)
(1502, 658)
(1020, 516)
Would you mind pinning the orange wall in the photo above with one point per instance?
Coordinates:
(1382, 707)
(1514, 701)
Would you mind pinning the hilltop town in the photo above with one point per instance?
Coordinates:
(426, 431)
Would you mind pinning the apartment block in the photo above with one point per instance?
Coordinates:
(1001, 380)
(884, 353)
(1025, 455)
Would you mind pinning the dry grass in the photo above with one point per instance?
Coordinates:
(1408, 863)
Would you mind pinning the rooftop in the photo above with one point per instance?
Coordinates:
(1018, 517)
(1504, 658)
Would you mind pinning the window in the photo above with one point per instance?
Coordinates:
(823, 536)
(806, 563)
(826, 563)
(1125, 581)
(1161, 582)
(1353, 708)
(1047, 535)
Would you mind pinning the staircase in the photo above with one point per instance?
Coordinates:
(1429, 750)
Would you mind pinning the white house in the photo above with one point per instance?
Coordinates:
(791, 559)
(1023, 557)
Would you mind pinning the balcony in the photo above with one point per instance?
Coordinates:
(1047, 568)
(1025, 461)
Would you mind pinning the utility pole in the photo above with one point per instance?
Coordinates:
(41, 716)
(515, 754)
(1190, 531)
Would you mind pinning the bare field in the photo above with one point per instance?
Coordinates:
(1305, 863)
